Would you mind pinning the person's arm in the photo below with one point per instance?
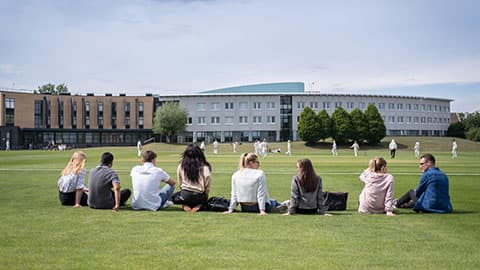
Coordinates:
(80, 187)
(179, 176)
(171, 182)
(233, 198)
(78, 196)
(116, 191)
(422, 186)
(294, 195)
(261, 192)
(365, 175)
(321, 209)
(208, 180)
(389, 199)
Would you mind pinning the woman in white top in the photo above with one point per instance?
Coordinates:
(71, 185)
(249, 187)
(377, 195)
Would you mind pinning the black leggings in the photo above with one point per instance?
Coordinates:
(68, 198)
(407, 200)
(193, 199)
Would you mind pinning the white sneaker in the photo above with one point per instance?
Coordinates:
(167, 204)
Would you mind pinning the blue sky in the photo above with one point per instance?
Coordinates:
(420, 48)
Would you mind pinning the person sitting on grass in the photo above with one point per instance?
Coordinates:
(377, 195)
(71, 185)
(146, 180)
(306, 191)
(102, 180)
(431, 195)
(194, 174)
(249, 187)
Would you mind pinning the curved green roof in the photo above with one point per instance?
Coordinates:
(282, 88)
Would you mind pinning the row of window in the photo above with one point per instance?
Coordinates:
(259, 105)
(242, 105)
(380, 106)
(229, 120)
(416, 119)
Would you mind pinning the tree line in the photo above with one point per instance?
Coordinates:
(467, 127)
(363, 127)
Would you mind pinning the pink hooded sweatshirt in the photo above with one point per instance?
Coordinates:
(377, 195)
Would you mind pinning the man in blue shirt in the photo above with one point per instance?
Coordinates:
(432, 193)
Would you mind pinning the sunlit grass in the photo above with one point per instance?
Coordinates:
(38, 233)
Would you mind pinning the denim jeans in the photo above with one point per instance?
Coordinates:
(254, 208)
(166, 193)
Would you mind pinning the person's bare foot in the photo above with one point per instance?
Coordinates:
(187, 208)
(196, 208)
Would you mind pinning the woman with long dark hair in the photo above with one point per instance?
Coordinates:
(194, 175)
(306, 191)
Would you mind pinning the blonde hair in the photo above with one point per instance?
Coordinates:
(245, 159)
(76, 163)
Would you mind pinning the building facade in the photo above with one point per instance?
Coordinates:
(244, 113)
(272, 111)
(38, 120)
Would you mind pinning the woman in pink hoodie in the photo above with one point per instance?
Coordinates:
(377, 195)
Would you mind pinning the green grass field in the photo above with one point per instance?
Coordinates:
(38, 233)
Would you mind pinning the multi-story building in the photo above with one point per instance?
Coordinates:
(36, 120)
(244, 113)
(272, 111)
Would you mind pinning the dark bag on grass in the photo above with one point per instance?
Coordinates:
(177, 198)
(335, 200)
(218, 204)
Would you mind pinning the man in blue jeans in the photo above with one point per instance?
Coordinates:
(431, 195)
(146, 180)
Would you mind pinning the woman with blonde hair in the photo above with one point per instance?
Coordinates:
(71, 185)
(377, 195)
(249, 187)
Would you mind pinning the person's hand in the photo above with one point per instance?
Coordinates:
(116, 208)
(229, 211)
(390, 214)
(263, 213)
(77, 206)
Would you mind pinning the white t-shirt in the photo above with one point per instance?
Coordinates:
(146, 181)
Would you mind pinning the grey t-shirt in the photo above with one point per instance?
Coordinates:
(100, 194)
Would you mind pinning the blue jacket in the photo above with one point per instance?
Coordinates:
(432, 192)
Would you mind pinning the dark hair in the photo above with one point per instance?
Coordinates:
(307, 176)
(148, 156)
(429, 157)
(107, 158)
(193, 160)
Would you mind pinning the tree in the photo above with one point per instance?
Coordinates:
(376, 130)
(472, 120)
(341, 125)
(359, 128)
(456, 130)
(473, 134)
(309, 126)
(170, 119)
(51, 89)
(325, 124)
